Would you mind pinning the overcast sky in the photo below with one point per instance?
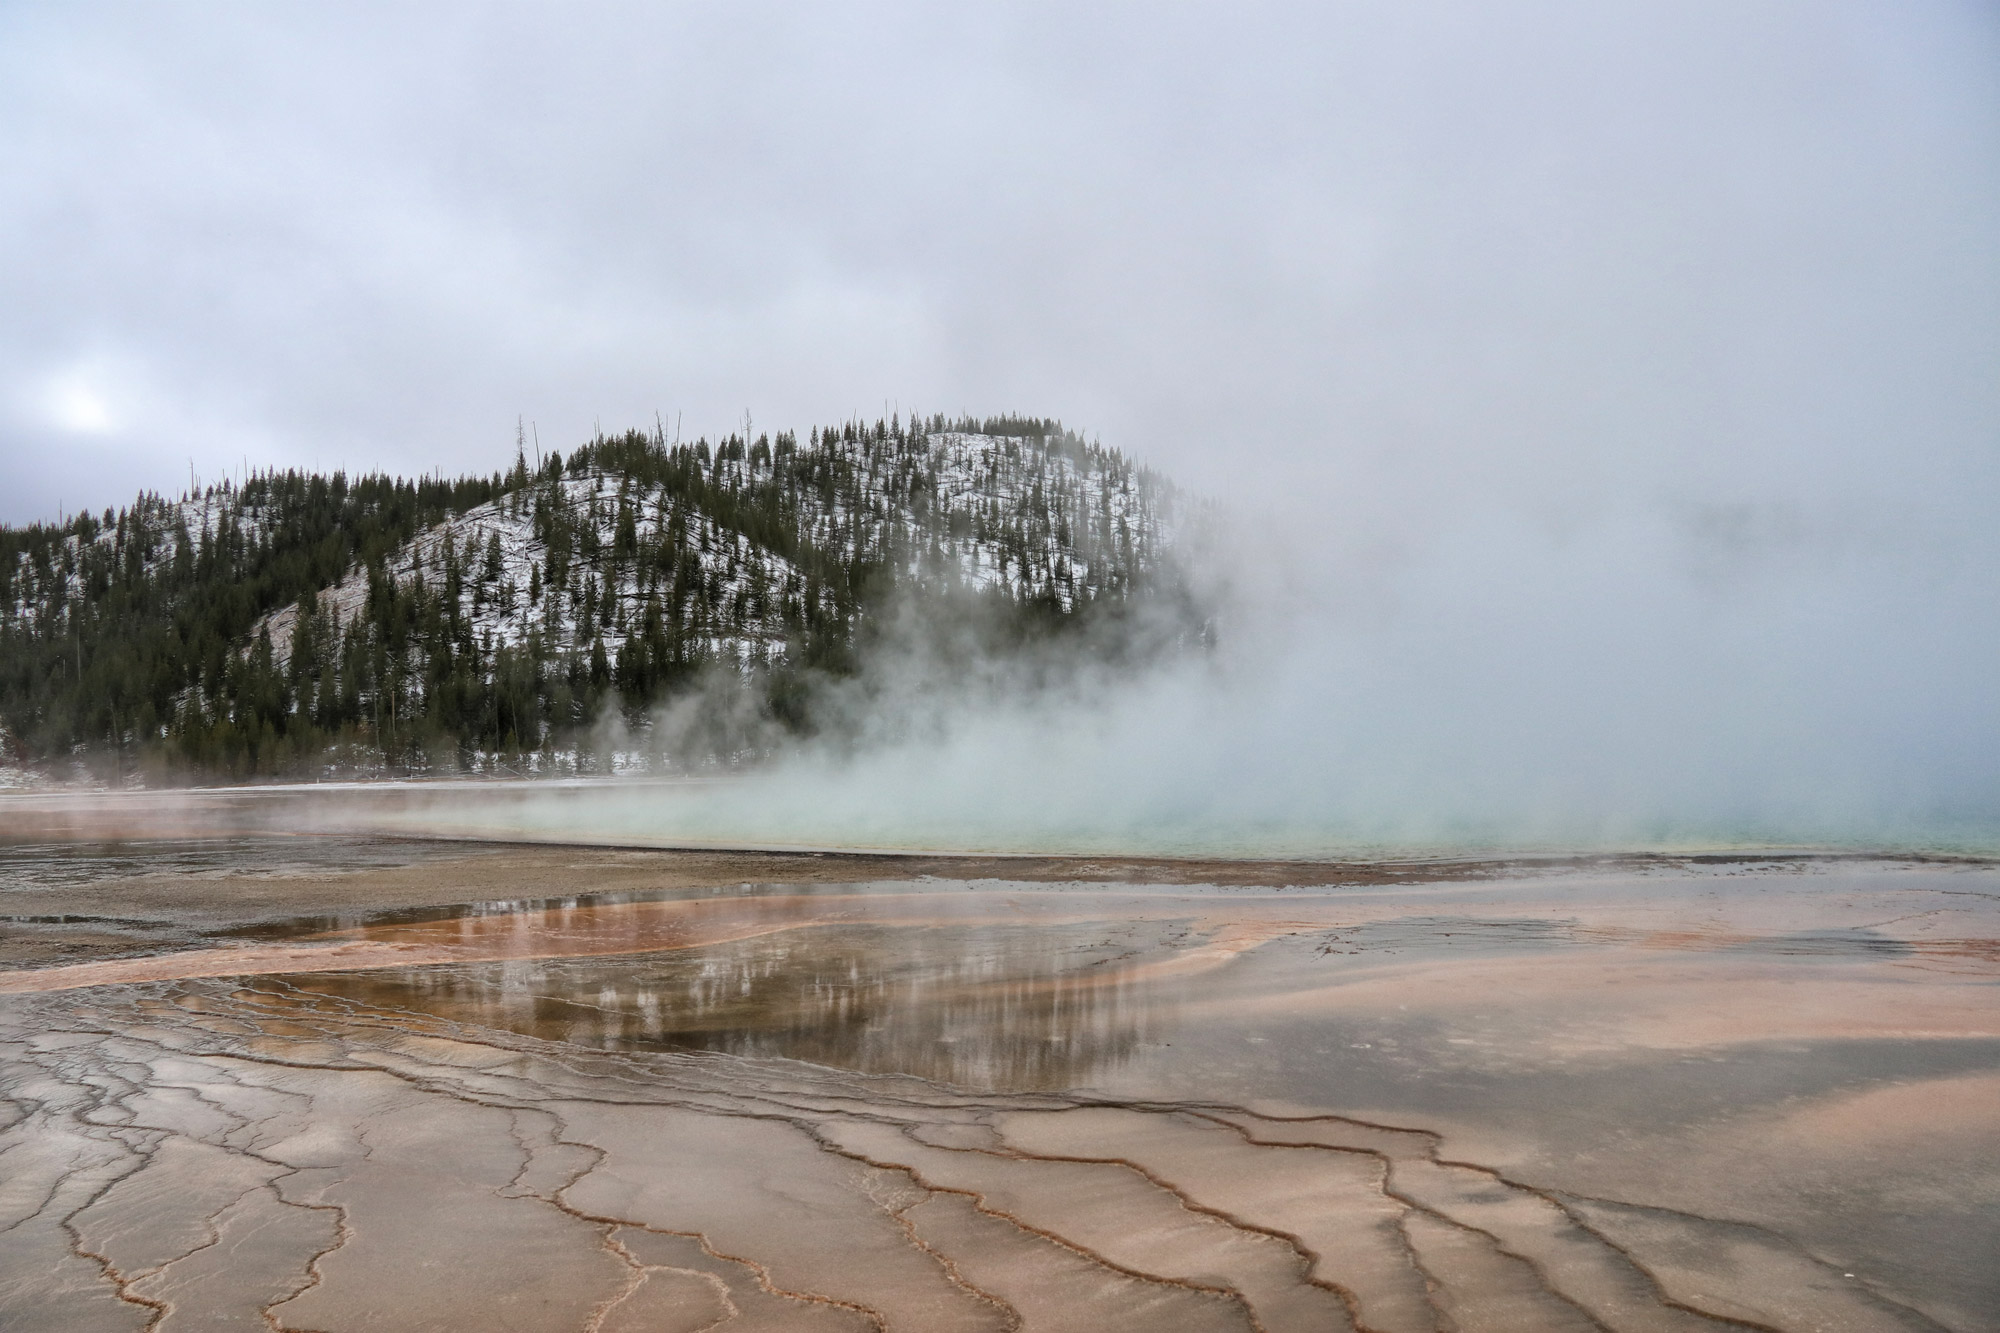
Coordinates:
(1389, 248)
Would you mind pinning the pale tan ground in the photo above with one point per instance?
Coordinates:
(1635, 1095)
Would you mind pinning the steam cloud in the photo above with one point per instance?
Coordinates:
(1602, 406)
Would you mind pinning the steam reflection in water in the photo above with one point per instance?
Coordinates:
(1023, 1007)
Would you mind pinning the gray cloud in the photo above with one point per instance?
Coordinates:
(1605, 381)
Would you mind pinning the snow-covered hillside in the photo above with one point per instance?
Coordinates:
(1026, 517)
(251, 625)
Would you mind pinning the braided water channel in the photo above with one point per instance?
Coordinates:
(1674, 1096)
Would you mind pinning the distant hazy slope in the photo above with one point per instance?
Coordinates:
(251, 627)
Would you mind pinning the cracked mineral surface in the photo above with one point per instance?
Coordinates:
(341, 1084)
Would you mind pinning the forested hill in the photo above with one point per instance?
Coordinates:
(296, 621)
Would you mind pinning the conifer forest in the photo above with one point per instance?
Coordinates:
(294, 624)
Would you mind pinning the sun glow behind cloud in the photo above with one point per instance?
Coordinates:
(75, 404)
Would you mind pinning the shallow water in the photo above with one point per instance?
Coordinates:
(29, 868)
(832, 811)
(1687, 1098)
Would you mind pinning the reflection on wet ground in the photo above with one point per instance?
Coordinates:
(991, 1006)
(1681, 1098)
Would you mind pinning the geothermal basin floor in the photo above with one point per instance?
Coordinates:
(341, 1082)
